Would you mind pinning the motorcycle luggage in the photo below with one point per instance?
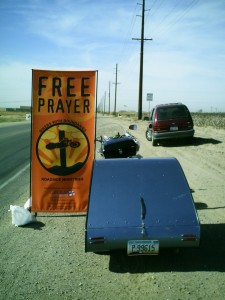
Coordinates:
(121, 147)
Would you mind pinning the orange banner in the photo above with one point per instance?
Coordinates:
(63, 125)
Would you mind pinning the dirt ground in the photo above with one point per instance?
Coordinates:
(46, 260)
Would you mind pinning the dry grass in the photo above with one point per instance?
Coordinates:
(215, 120)
(12, 116)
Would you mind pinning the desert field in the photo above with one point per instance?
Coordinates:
(47, 259)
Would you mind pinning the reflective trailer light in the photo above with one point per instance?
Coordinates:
(188, 237)
(97, 240)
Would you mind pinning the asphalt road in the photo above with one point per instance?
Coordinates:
(14, 151)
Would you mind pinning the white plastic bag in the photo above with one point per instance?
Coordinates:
(21, 216)
(28, 204)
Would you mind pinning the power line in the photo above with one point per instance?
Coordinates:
(122, 53)
(166, 22)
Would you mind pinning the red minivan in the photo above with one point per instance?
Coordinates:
(170, 121)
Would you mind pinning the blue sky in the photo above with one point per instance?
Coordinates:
(185, 61)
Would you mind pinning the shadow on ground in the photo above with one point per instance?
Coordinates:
(197, 141)
(208, 257)
(35, 225)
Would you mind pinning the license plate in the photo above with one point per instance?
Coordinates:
(143, 247)
(173, 128)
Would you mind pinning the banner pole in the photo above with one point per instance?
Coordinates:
(96, 111)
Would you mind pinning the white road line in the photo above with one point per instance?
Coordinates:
(14, 177)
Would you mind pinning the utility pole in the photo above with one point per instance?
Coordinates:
(142, 39)
(109, 97)
(115, 90)
(104, 101)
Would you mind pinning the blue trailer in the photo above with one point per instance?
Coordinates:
(140, 205)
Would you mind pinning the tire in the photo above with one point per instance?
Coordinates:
(148, 135)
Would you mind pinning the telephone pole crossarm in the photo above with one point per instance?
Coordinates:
(139, 39)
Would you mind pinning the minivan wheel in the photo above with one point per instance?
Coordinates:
(148, 135)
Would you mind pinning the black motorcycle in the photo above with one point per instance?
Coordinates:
(119, 145)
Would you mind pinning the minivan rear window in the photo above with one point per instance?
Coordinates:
(166, 113)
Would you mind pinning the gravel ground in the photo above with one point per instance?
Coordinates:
(46, 259)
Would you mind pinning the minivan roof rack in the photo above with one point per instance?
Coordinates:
(173, 103)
